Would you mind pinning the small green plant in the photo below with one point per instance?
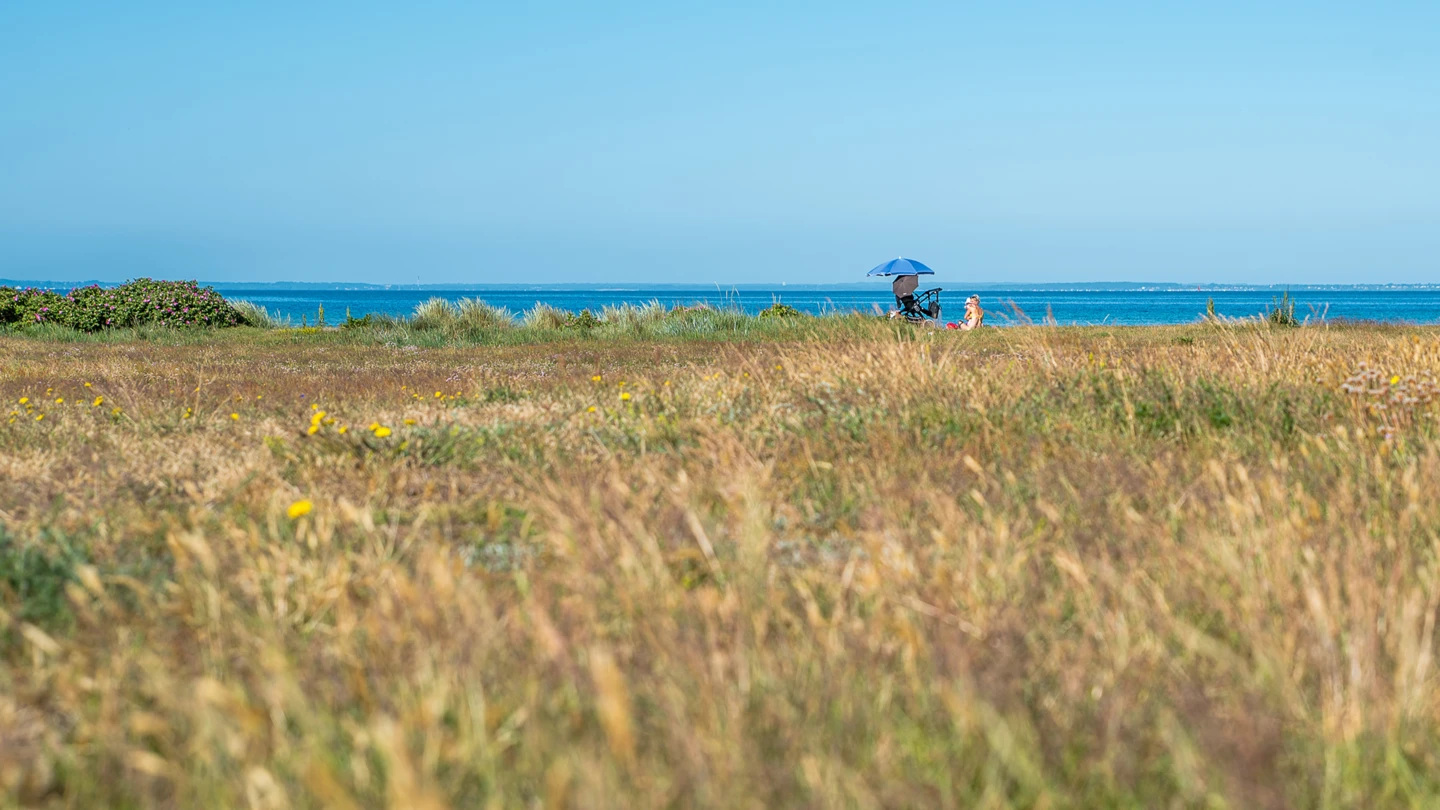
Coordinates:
(356, 323)
(1283, 311)
(1210, 310)
(779, 310)
(32, 583)
(584, 319)
(320, 316)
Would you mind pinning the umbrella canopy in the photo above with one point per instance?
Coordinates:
(901, 267)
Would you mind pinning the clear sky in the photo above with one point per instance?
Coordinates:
(734, 142)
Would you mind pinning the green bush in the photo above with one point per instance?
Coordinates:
(779, 310)
(135, 303)
(585, 320)
(1283, 313)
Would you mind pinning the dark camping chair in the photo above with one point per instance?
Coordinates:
(915, 308)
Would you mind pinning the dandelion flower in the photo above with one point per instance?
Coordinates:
(409, 421)
(439, 395)
(344, 429)
(235, 417)
(98, 402)
(373, 426)
(625, 396)
(24, 400)
(313, 430)
(590, 409)
(381, 432)
(1395, 380)
(596, 378)
(115, 411)
(60, 400)
(39, 417)
(299, 509)
(87, 385)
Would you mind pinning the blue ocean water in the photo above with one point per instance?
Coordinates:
(1067, 306)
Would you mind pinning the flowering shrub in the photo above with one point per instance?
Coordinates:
(134, 303)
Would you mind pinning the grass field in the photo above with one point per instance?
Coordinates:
(832, 564)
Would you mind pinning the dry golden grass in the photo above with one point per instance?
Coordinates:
(1029, 567)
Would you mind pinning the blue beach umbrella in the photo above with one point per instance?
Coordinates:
(901, 267)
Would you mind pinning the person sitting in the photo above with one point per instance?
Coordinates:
(974, 315)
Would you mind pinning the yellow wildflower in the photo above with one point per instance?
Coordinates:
(24, 400)
(343, 429)
(1395, 380)
(374, 426)
(596, 378)
(87, 385)
(590, 409)
(313, 429)
(115, 411)
(316, 417)
(299, 509)
(60, 400)
(38, 417)
(98, 402)
(381, 432)
(235, 416)
(625, 396)
(409, 421)
(439, 395)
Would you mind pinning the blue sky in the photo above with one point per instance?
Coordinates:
(738, 142)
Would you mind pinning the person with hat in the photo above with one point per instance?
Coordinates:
(974, 315)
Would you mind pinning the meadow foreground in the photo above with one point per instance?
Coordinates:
(1027, 567)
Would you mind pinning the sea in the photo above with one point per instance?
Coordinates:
(1068, 306)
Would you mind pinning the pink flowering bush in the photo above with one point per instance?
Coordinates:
(142, 301)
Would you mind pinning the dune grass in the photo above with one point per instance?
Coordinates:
(843, 565)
